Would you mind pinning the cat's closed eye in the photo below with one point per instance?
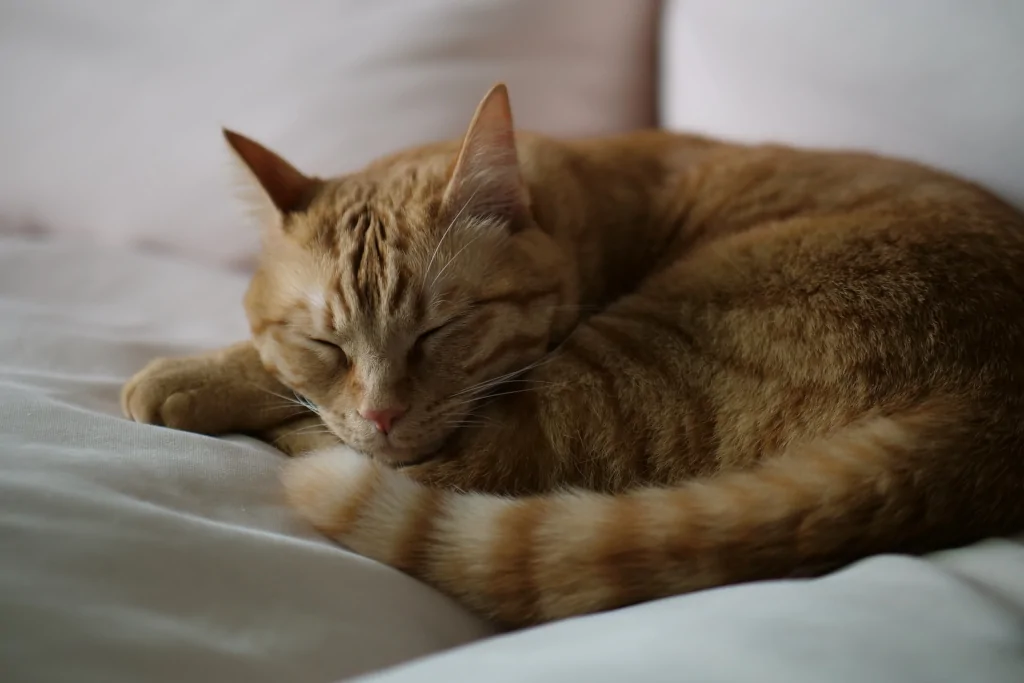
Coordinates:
(330, 348)
(427, 335)
(424, 336)
(431, 331)
(326, 344)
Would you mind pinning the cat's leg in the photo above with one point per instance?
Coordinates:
(302, 435)
(223, 391)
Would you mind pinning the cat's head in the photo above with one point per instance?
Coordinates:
(391, 297)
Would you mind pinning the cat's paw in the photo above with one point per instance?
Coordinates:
(174, 392)
(300, 436)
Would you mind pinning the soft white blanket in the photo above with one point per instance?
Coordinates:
(135, 553)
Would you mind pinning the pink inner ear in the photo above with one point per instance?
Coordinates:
(486, 178)
(287, 188)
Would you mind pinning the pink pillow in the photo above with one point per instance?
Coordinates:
(113, 108)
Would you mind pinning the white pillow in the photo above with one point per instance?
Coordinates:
(113, 108)
(940, 81)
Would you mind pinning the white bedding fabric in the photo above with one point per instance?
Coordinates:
(956, 619)
(135, 553)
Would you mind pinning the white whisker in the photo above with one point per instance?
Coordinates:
(452, 259)
(308, 430)
(293, 399)
(286, 416)
(485, 397)
(441, 241)
(507, 377)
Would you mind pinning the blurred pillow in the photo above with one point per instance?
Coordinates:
(940, 81)
(111, 128)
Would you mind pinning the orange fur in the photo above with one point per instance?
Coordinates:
(631, 367)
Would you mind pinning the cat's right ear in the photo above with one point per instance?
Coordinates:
(287, 189)
(486, 180)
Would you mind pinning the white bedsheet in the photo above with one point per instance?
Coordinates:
(956, 619)
(134, 553)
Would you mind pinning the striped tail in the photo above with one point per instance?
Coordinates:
(885, 484)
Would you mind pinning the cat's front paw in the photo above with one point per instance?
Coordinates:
(180, 393)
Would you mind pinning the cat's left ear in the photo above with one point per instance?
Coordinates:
(287, 189)
(486, 181)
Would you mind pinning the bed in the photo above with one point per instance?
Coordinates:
(137, 553)
(134, 553)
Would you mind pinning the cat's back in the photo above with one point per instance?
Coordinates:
(878, 278)
(767, 181)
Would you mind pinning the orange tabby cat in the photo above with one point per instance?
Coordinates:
(682, 363)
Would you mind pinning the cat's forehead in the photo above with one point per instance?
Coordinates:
(378, 247)
(351, 211)
(364, 262)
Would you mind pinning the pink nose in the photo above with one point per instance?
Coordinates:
(383, 418)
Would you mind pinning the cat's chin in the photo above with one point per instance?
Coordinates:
(403, 457)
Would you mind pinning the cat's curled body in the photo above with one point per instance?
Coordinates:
(744, 362)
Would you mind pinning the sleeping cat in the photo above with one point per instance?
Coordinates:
(581, 375)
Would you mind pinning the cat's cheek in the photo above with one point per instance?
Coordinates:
(282, 367)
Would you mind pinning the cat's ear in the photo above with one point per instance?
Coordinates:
(486, 180)
(287, 189)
